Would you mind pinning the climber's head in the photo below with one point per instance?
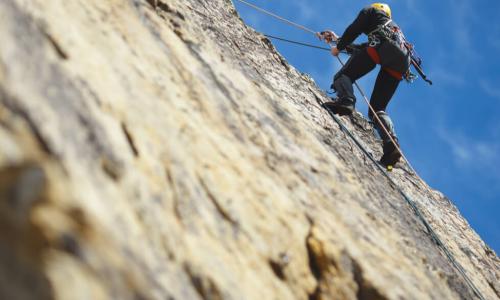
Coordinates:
(383, 7)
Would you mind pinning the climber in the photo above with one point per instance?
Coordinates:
(386, 46)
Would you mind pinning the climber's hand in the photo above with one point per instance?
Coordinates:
(335, 51)
(328, 36)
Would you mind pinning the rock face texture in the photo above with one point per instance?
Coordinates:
(164, 150)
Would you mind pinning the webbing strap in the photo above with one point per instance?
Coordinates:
(379, 27)
(372, 52)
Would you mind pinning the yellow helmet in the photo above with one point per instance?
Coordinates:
(383, 7)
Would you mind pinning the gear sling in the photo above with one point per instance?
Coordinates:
(389, 40)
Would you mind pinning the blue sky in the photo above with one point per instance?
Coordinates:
(450, 131)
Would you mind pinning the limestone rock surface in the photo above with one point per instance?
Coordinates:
(164, 150)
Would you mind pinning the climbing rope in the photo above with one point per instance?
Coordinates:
(295, 42)
(277, 17)
(386, 131)
(300, 43)
(414, 207)
(374, 113)
(412, 203)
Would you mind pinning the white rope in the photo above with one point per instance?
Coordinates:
(277, 17)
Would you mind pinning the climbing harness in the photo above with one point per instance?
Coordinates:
(372, 52)
(410, 202)
(395, 35)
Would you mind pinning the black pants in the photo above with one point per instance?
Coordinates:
(358, 66)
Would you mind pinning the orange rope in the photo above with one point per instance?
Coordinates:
(386, 131)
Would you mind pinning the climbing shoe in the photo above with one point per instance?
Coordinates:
(391, 154)
(340, 106)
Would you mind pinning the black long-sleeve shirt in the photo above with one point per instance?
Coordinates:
(367, 21)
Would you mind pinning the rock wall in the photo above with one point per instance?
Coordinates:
(164, 150)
